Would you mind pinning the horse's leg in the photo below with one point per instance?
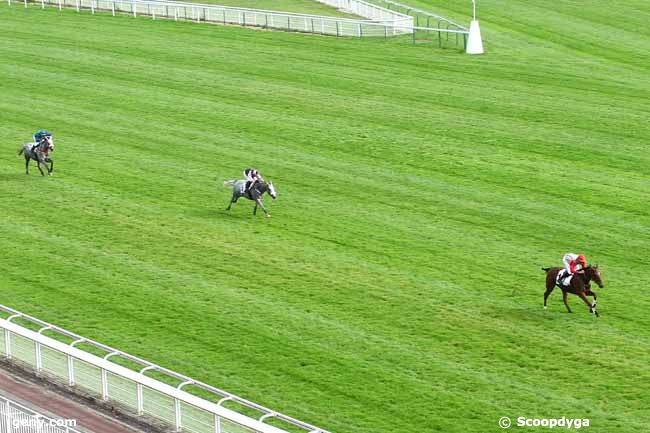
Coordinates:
(592, 307)
(26, 164)
(38, 164)
(589, 292)
(255, 208)
(51, 167)
(547, 294)
(258, 201)
(550, 286)
(592, 293)
(565, 298)
(232, 200)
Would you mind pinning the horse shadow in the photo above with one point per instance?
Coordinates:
(212, 213)
(15, 177)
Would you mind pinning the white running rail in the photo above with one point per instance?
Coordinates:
(16, 418)
(411, 10)
(132, 388)
(371, 11)
(385, 22)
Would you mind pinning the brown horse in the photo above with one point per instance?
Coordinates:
(579, 286)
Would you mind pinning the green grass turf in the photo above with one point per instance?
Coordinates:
(397, 286)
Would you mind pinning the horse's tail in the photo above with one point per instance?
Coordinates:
(20, 151)
(227, 183)
(546, 269)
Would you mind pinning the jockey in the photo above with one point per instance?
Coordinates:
(252, 176)
(40, 135)
(572, 263)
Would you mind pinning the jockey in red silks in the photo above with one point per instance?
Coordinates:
(572, 263)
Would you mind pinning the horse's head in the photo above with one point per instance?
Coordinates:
(593, 273)
(271, 190)
(47, 144)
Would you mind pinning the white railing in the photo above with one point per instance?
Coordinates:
(16, 418)
(413, 11)
(132, 388)
(392, 24)
(371, 11)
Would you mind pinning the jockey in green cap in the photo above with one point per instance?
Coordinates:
(41, 134)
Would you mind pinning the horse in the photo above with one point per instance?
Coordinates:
(579, 285)
(255, 193)
(39, 152)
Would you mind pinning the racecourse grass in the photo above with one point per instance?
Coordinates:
(397, 286)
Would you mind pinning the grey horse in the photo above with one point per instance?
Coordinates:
(255, 193)
(39, 152)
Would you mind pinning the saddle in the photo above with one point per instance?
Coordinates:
(563, 279)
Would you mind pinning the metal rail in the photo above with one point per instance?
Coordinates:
(423, 12)
(13, 413)
(149, 366)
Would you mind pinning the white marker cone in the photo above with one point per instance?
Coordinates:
(474, 42)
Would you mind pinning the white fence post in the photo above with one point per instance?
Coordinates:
(140, 399)
(217, 423)
(177, 414)
(7, 415)
(104, 385)
(37, 355)
(113, 8)
(71, 380)
(7, 344)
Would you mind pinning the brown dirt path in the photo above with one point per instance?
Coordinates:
(56, 406)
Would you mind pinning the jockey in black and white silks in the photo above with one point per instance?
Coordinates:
(251, 175)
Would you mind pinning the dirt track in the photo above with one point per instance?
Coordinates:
(55, 405)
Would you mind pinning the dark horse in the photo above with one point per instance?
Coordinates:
(579, 286)
(255, 193)
(39, 152)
